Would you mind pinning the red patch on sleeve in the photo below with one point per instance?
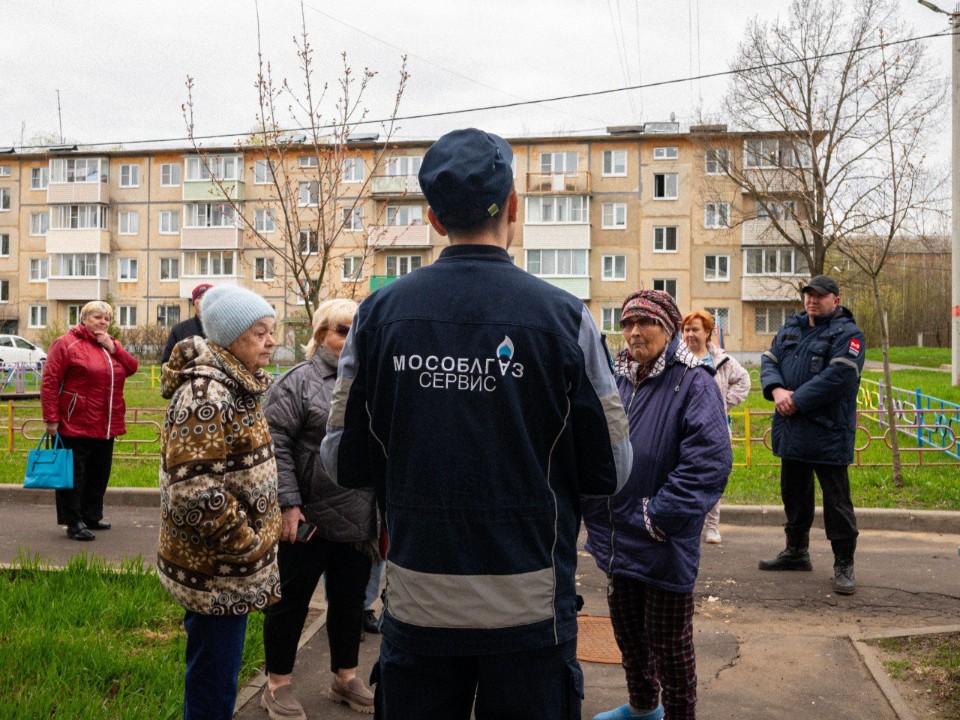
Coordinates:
(854, 347)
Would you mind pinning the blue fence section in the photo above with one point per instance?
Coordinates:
(930, 421)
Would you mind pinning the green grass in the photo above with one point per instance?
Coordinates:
(94, 642)
(931, 663)
(918, 356)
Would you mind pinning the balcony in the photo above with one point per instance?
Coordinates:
(77, 193)
(75, 240)
(791, 181)
(210, 238)
(189, 282)
(395, 186)
(398, 236)
(762, 232)
(556, 236)
(379, 281)
(81, 289)
(547, 183)
(208, 191)
(771, 288)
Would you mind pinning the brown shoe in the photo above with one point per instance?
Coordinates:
(281, 704)
(355, 694)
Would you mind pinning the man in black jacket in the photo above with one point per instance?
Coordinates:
(189, 327)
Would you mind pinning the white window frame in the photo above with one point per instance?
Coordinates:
(353, 170)
(172, 269)
(539, 264)
(130, 175)
(661, 239)
(761, 153)
(570, 205)
(666, 186)
(403, 215)
(262, 172)
(716, 161)
(353, 219)
(610, 319)
(309, 242)
(128, 222)
(263, 220)
(671, 152)
(79, 170)
(78, 217)
(308, 194)
(5, 171)
(716, 215)
(403, 165)
(770, 328)
(169, 221)
(782, 211)
(128, 270)
(212, 259)
(226, 168)
(170, 175)
(163, 315)
(6, 198)
(263, 269)
(775, 261)
(39, 269)
(37, 316)
(565, 162)
(40, 177)
(90, 266)
(614, 163)
(721, 268)
(308, 161)
(73, 314)
(202, 215)
(613, 216)
(613, 267)
(126, 316)
(664, 285)
(351, 269)
(402, 264)
(39, 224)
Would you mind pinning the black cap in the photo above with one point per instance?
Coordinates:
(822, 285)
(466, 177)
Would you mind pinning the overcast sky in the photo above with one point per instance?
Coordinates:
(120, 65)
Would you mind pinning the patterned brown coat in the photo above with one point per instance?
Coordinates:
(220, 521)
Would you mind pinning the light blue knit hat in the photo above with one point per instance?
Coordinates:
(227, 311)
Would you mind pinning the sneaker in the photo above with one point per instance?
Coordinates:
(712, 536)
(281, 704)
(354, 693)
(623, 713)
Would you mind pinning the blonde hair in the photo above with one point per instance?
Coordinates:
(329, 313)
(95, 306)
(705, 318)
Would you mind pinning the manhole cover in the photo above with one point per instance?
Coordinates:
(595, 641)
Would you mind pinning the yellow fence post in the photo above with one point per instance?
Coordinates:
(10, 426)
(746, 434)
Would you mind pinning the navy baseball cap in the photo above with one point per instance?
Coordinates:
(466, 177)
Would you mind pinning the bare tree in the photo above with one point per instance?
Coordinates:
(310, 206)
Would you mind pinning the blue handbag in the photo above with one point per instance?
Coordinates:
(50, 467)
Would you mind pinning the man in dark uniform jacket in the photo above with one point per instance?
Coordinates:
(189, 327)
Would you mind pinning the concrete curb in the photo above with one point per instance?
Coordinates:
(903, 520)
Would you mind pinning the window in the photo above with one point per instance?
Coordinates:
(721, 318)
(767, 319)
(610, 319)
(760, 153)
(263, 220)
(169, 222)
(168, 315)
(402, 264)
(352, 270)
(4, 199)
(567, 209)
(405, 165)
(615, 163)
(83, 217)
(614, 267)
(128, 222)
(784, 211)
(39, 223)
(38, 316)
(557, 263)
(209, 215)
(665, 186)
(262, 172)
(81, 265)
(127, 316)
(73, 314)
(169, 268)
(39, 178)
(79, 170)
(613, 216)
(218, 263)
(665, 239)
(129, 176)
(263, 269)
(39, 269)
(716, 267)
(558, 162)
(308, 161)
(203, 169)
(665, 153)
(774, 261)
(716, 215)
(309, 193)
(4, 291)
(666, 285)
(716, 161)
(353, 170)
(353, 219)
(4, 245)
(309, 242)
(4, 171)
(170, 175)
(404, 215)
(126, 269)
(306, 287)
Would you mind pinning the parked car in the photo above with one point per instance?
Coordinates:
(14, 349)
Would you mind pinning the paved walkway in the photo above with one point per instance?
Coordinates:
(769, 645)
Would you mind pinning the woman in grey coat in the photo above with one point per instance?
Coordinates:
(296, 407)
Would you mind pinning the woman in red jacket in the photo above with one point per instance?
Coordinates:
(82, 397)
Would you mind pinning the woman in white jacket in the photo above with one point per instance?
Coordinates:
(732, 377)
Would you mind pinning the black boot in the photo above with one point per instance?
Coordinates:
(796, 556)
(844, 582)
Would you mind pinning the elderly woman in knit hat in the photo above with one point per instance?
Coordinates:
(219, 516)
(647, 537)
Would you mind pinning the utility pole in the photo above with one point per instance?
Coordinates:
(59, 117)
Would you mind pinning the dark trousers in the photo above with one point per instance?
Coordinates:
(92, 459)
(796, 489)
(301, 565)
(546, 683)
(654, 630)
(214, 654)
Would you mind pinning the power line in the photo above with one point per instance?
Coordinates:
(503, 106)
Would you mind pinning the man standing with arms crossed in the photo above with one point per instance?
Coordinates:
(480, 404)
(812, 373)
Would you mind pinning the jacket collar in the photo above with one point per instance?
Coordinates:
(197, 357)
(326, 361)
(474, 252)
